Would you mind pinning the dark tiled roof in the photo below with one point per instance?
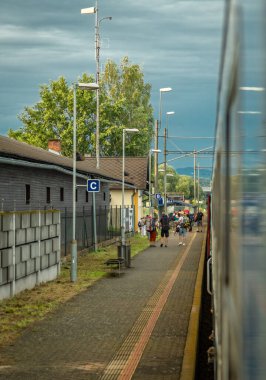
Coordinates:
(136, 168)
(110, 167)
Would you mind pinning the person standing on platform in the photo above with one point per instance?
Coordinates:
(165, 227)
(182, 229)
(199, 220)
(142, 227)
(152, 232)
(148, 225)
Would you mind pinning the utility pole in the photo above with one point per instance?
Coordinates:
(156, 157)
(198, 185)
(194, 175)
(97, 55)
(164, 166)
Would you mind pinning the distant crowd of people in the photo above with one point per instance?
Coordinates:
(179, 222)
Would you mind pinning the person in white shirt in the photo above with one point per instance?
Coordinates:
(182, 230)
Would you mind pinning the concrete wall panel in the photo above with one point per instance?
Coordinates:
(3, 239)
(44, 261)
(7, 222)
(52, 230)
(7, 257)
(30, 235)
(20, 236)
(25, 220)
(34, 250)
(20, 270)
(10, 238)
(44, 232)
(25, 252)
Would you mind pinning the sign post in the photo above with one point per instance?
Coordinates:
(93, 186)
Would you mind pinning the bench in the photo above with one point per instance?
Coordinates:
(116, 263)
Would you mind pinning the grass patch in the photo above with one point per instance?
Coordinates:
(30, 306)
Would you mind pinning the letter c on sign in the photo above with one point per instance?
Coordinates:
(93, 185)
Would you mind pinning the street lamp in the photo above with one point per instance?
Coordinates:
(95, 10)
(162, 90)
(165, 89)
(150, 152)
(88, 87)
(123, 224)
(165, 153)
(167, 116)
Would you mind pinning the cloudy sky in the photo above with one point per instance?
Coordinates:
(177, 43)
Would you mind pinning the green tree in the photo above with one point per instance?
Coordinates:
(185, 185)
(124, 103)
(52, 117)
(179, 184)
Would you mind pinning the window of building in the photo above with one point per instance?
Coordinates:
(104, 195)
(86, 196)
(27, 194)
(48, 195)
(61, 194)
(76, 195)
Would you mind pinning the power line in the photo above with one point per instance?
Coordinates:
(189, 152)
(189, 138)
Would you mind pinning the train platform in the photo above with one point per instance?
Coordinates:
(140, 325)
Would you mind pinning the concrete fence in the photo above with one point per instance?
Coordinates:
(29, 249)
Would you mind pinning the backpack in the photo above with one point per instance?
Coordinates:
(165, 222)
(153, 226)
(181, 224)
(185, 222)
(199, 216)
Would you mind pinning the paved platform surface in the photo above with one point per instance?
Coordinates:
(130, 326)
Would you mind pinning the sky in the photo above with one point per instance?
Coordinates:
(176, 43)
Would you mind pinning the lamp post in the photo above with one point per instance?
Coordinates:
(150, 152)
(123, 224)
(162, 90)
(88, 87)
(165, 154)
(167, 117)
(97, 55)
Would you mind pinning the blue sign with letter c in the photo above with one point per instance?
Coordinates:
(93, 185)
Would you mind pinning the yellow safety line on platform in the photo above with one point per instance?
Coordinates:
(125, 362)
(190, 352)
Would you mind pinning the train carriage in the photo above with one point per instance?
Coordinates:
(238, 225)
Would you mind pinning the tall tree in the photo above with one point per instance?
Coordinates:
(179, 184)
(124, 103)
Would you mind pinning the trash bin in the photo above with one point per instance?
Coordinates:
(125, 253)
